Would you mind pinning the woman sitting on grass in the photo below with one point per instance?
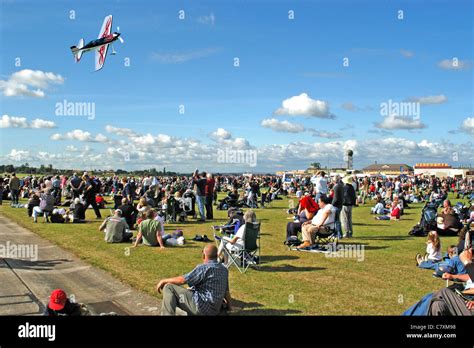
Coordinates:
(395, 212)
(433, 252)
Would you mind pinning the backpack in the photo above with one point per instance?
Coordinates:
(421, 307)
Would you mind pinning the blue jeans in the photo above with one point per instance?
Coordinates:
(338, 222)
(429, 264)
(201, 202)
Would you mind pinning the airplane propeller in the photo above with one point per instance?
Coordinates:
(120, 38)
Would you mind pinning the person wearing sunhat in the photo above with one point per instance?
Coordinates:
(348, 201)
(60, 305)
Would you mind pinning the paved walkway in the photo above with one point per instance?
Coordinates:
(25, 285)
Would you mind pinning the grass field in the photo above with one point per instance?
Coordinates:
(287, 282)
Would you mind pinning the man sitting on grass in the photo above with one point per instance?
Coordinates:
(116, 229)
(150, 231)
(209, 288)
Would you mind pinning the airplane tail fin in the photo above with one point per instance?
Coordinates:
(76, 50)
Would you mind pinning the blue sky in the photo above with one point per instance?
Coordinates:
(190, 62)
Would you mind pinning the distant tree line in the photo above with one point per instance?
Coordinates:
(50, 170)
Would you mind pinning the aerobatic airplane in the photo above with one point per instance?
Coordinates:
(100, 45)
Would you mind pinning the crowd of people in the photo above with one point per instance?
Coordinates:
(324, 206)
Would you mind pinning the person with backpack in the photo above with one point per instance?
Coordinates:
(348, 201)
(91, 188)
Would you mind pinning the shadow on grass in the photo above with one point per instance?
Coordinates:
(366, 246)
(268, 311)
(359, 224)
(287, 269)
(39, 265)
(255, 308)
(272, 258)
(386, 238)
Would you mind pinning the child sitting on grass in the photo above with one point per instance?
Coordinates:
(433, 252)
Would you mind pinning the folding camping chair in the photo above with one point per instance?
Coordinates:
(323, 241)
(250, 254)
(329, 238)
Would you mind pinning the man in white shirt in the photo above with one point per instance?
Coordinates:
(321, 184)
(325, 216)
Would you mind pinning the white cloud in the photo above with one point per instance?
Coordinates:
(29, 83)
(327, 135)
(467, 126)
(452, 64)
(80, 135)
(221, 133)
(349, 106)
(182, 57)
(282, 126)
(186, 154)
(18, 155)
(101, 138)
(400, 122)
(39, 123)
(21, 122)
(432, 99)
(407, 53)
(120, 131)
(304, 105)
(208, 20)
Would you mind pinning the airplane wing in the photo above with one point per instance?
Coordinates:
(100, 56)
(106, 27)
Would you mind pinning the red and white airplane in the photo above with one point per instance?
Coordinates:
(100, 46)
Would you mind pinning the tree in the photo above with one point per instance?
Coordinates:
(316, 165)
(9, 168)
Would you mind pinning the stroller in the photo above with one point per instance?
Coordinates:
(427, 221)
(185, 208)
(461, 210)
(169, 209)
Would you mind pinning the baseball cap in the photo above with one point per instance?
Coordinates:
(57, 300)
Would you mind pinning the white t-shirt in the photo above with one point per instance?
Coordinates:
(318, 218)
(432, 253)
(240, 235)
(162, 223)
(321, 185)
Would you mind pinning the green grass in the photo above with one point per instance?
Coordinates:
(288, 282)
